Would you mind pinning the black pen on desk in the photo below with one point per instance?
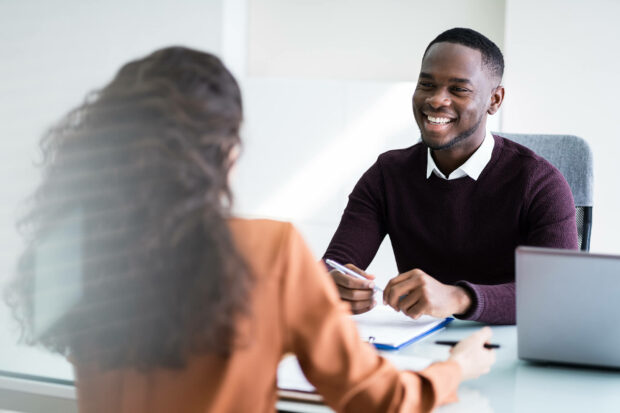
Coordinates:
(454, 343)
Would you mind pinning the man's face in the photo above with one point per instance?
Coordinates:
(452, 97)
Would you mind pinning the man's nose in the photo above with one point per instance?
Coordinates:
(438, 98)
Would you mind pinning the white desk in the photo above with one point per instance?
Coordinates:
(511, 386)
(514, 385)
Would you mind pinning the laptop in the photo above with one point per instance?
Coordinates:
(568, 307)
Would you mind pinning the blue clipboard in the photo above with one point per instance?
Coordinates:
(382, 346)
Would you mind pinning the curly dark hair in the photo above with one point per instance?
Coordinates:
(492, 57)
(145, 162)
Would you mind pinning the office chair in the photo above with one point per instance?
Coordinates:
(573, 157)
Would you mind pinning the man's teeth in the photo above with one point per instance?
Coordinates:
(438, 120)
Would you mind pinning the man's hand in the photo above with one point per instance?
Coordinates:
(359, 293)
(416, 293)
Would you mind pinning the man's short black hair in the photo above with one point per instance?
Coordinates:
(492, 57)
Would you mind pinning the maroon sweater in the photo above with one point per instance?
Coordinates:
(462, 232)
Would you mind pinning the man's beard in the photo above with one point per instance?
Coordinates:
(456, 140)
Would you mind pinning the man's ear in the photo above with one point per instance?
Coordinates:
(497, 97)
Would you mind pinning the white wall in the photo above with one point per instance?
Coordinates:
(53, 52)
(357, 39)
(328, 87)
(563, 61)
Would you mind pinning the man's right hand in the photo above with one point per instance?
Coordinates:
(357, 292)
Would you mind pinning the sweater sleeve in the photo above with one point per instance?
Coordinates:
(549, 220)
(362, 227)
(349, 373)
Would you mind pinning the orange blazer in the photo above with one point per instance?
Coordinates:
(296, 309)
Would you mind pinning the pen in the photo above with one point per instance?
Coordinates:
(347, 271)
(454, 343)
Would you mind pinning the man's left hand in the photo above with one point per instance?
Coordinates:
(416, 293)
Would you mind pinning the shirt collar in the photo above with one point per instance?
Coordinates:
(472, 167)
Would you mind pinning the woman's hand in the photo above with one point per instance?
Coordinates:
(470, 354)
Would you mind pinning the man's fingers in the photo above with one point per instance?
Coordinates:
(360, 271)
(414, 304)
(397, 280)
(393, 293)
(417, 310)
(365, 310)
(358, 307)
(348, 281)
(406, 302)
(355, 295)
(401, 285)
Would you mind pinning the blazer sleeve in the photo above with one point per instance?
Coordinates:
(349, 373)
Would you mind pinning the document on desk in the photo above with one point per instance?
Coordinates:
(388, 329)
(292, 383)
(383, 327)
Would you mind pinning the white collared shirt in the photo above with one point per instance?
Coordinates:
(472, 167)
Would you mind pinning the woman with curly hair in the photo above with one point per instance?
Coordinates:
(177, 306)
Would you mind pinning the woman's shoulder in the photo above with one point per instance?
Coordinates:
(262, 230)
(263, 242)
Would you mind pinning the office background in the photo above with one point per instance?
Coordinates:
(327, 87)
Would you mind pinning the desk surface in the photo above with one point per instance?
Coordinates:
(514, 385)
(511, 386)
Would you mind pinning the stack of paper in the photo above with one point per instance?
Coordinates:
(383, 327)
(293, 384)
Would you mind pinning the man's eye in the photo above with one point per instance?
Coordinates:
(460, 90)
(425, 84)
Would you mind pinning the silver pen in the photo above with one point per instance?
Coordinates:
(347, 271)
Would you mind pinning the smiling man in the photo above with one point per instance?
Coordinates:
(456, 204)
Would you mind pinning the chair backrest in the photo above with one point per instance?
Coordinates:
(573, 157)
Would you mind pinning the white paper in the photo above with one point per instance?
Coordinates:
(386, 326)
(383, 325)
(291, 377)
